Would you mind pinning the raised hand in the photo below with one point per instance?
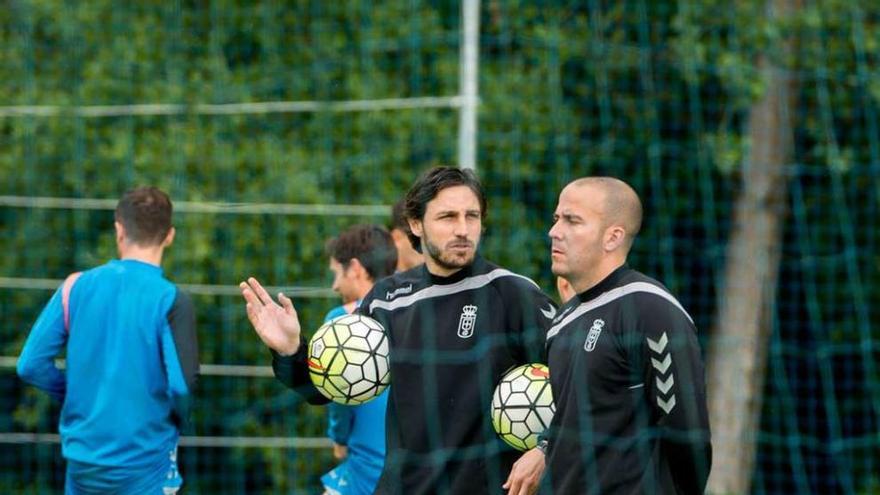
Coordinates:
(276, 324)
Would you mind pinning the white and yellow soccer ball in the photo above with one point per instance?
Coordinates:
(348, 359)
(522, 405)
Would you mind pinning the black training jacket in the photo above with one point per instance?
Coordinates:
(629, 387)
(452, 339)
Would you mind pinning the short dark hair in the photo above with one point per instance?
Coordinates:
(429, 185)
(398, 217)
(145, 213)
(371, 245)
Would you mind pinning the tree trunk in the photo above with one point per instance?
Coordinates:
(738, 349)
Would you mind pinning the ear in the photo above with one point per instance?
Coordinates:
(357, 269)
(398, 235)
(120, 232)
(415, 226)
(169, 237)
(615, 236)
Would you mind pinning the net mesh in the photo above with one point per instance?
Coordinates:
(656, 93)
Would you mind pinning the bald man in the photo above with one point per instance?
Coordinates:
(625, 363)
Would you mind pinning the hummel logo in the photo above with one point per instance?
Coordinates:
(658, 346)
(664, 387)
(549, 313)
(666, 405)
(396, 292)
(662, 366)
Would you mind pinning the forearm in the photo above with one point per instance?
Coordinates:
(293, 372)
(45, 376)
(36, 364)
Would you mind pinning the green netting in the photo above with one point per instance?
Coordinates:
(654, 92)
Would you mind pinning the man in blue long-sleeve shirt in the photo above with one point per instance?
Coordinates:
(359, 257)
(131, 360)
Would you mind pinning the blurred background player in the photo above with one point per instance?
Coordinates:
(455, 325)
(132, 359)
(627, 372)
(359, 257)
(565, 290)
(407, 255)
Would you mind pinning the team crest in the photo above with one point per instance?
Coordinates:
(467, 321)
(593, 336)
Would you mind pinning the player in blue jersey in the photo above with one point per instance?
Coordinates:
(131, 359)
(359, 257)
(407, 257)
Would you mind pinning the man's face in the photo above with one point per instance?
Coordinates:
(577, 233)
(450, 230)
(344, 281)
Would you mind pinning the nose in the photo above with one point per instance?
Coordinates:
(553, 233)
(461, 227)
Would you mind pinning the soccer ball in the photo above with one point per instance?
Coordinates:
(522, 405)
(348, 359)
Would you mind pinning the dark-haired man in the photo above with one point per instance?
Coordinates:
(455, 325)
(359, 256)
(132, 359)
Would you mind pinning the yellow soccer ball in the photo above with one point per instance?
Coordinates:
(522, 405)
(348, 359)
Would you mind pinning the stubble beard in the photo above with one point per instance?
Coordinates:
(448, 262)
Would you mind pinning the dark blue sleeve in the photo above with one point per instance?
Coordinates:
(180, 351)
(293, 372)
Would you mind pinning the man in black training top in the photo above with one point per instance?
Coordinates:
(455, 325)
(625, 364)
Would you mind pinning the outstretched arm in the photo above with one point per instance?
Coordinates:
(278, 327)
